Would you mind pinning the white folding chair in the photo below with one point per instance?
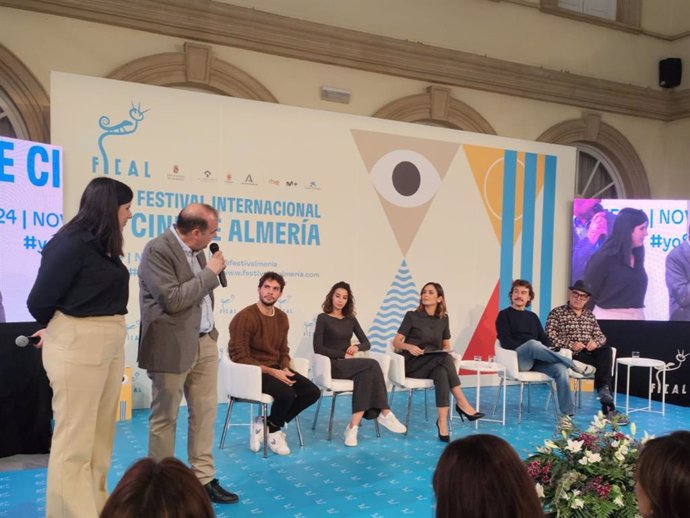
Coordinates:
(243, 385)
(509, 360)
(397, 376)
(321, 374)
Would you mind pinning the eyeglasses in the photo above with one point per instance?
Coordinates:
(578, 295)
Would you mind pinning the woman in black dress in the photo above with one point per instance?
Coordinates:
(423, 334)
(332, 336)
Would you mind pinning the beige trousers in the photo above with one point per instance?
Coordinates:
(84, 360)
(199, 388)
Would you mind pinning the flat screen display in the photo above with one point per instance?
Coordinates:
(637, 266)
(30, 214)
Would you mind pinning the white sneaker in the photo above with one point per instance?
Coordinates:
(391, 422)
(256, 434)
(584, 369)
(350, 435)
(277, 443)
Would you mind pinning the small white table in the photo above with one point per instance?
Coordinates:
(651, 364)
(480, 367)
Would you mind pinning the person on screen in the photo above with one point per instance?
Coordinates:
(481, 476)
(662, 476)
(678, 280)
(177, 343)
(332, 335)
(520, 330)
(421, 333)
(259, 336)
(81, 294)
(3, 319)
(616, 274)
(573, 326)
(591, 225)
(158, 489)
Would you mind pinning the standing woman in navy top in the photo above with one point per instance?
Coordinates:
(332, 338)
(616, 274)
(81, 294)
(421, 333)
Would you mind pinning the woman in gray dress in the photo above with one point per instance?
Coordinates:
(332, 338)
(424, 339)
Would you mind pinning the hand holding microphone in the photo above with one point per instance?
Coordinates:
(35, 339)
(217, 264)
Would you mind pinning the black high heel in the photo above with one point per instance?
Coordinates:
(442, 438)
(470, 417)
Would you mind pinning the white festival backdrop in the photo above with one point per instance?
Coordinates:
(322, 197)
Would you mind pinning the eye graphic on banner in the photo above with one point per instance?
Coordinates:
(405, 178)
(407, 173)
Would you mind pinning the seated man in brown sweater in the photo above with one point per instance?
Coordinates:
(258, 336)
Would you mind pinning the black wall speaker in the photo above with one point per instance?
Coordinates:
(670, 72)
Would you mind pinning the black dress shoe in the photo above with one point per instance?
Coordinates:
(442, 438)
(219, 495)
(470, 417)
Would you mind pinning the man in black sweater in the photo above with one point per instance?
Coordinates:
(520, 330)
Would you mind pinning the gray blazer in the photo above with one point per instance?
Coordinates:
(169, 297)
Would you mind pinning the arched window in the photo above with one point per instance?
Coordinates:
(436, 107)
(596, 176)
(196, 68)
(607, 165)
(24, 104)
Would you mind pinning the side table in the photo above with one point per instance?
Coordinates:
(651, 364)
(480, 367)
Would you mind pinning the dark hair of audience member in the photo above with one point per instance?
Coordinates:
(481, 476)
(165, 489)
(663, 476)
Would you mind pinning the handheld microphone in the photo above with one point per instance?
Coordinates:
(221, 276)
(23, 341)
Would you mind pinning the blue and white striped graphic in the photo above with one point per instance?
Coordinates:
(530, 227)
(402, 296)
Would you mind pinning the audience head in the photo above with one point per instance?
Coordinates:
(518, 287)
(481, 476)
(342, 292)
(430, 294)
(104, 211)
(165, 489)
(663, 477)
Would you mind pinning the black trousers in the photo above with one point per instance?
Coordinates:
(288, 401)
(438, 367)
(601, 359)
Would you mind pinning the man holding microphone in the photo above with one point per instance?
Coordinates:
(177, 342)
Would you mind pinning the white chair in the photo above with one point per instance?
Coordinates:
(321, 376)
(243, 385)
(397, 376)
(509, 360)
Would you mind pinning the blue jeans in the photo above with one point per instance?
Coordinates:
(535, 356)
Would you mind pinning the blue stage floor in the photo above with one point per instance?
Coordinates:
(386, 477)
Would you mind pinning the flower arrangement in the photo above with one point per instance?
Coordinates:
(587, 474)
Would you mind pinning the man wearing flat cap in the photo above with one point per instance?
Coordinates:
(573, 326)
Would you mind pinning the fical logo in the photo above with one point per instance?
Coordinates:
(119, 166)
